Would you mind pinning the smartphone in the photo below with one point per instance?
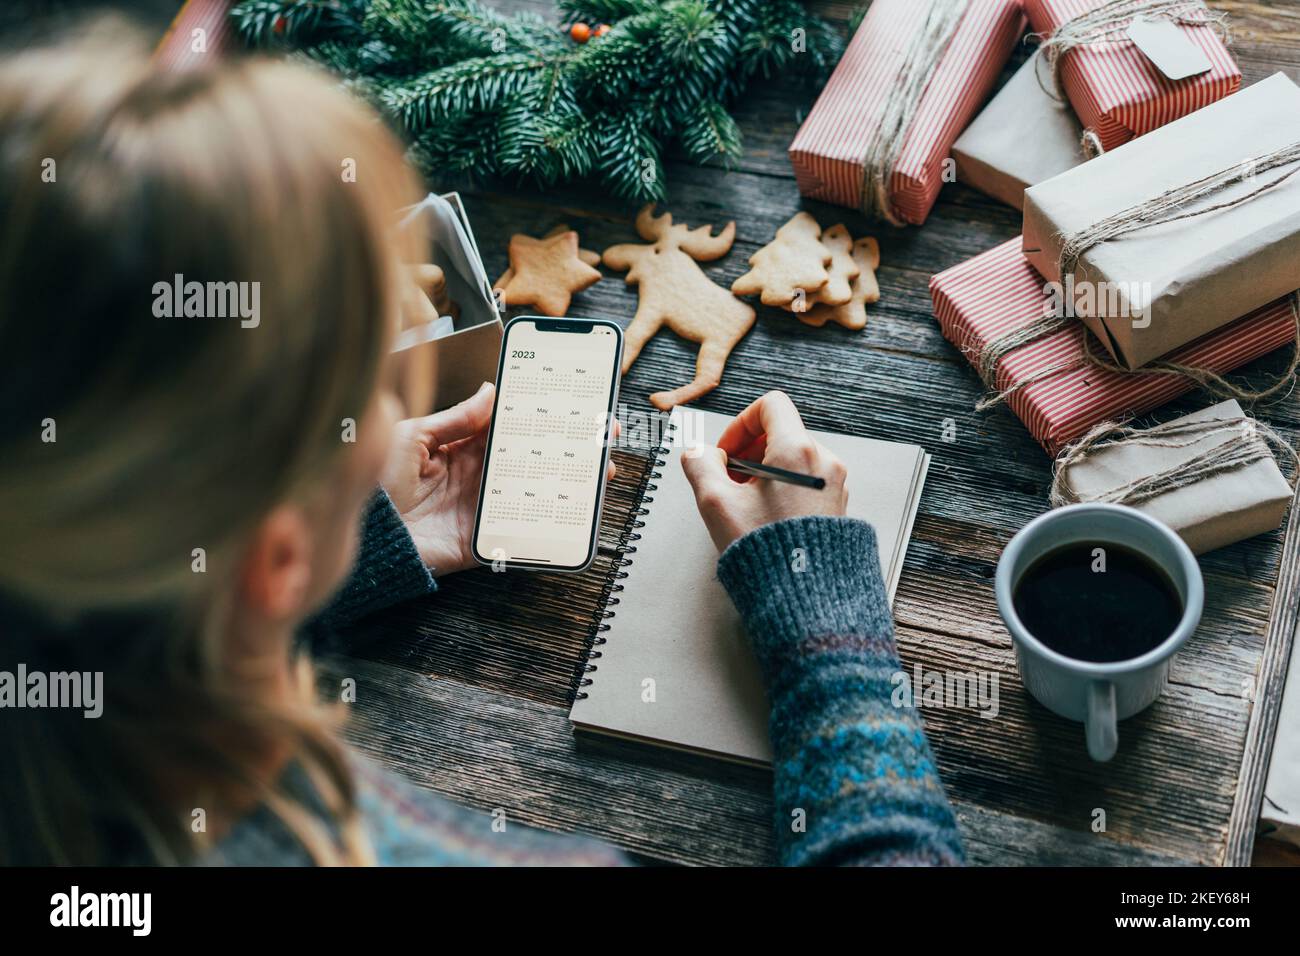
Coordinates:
(548, 444)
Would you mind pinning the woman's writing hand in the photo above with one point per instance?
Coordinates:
(433, 477)
(770, 431)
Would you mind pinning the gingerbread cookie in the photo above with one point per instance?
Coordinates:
(675, 292)
(586, 255)
(415, 373)
(838, 289)
(431, 279)
(794, 263)
(417, 309)
(852, 314)
(544, 273)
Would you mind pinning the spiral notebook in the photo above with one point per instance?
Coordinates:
(669, 663)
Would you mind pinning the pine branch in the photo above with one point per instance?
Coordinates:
(481, 84)
(693, 38)
(609, 70)
(630, 163)
(448, 30)
(469, 146)
(545, 148)
(603, 11)
(266, 23)
(788, 37)
(711, 134)
(486, 94)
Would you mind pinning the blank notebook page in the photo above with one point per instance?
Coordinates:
(676, 668)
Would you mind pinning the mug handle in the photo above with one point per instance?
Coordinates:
(1099, 725)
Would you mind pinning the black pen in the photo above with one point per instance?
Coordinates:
(758, 470)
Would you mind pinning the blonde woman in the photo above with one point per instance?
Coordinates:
(177, 500)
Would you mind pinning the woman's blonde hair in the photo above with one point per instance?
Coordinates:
(130, 439)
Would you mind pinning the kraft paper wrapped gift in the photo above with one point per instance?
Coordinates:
(444, 361)
(1117, 90)
(1188, 277)
(1210, 513)
(829, 150)
(1024, 136)
(998, 292)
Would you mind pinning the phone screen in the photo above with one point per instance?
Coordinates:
(544, 470)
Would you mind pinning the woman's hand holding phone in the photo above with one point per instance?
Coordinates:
(436, 466)
(770, 431)
(433, 475)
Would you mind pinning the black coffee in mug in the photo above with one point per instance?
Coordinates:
(1097, 602)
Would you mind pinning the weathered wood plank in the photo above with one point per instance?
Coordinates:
(489, 750)
(1277, 652)
(502, 648)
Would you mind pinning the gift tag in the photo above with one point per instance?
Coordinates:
(1169, 48)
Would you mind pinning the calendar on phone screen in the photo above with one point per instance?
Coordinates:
(547, 449)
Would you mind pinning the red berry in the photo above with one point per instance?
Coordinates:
(580, 32)
(278, 26)
(602, 29)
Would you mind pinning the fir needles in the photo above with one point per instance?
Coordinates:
(486, 94)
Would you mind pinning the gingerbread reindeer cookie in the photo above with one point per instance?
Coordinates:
(675, 292)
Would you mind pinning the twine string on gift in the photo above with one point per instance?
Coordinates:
(1090, 143)
(919, 60)
(1164, 209)
(1110, 22)
(986, 360)
(1238, 441)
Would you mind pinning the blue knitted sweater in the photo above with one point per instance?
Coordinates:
(854, 781)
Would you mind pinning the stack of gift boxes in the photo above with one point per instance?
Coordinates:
(1161, 229)
(1161, 109)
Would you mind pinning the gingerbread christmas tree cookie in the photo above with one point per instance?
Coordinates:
(852, 314)
(838, 289)
(793, 264)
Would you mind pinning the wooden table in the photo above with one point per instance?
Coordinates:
(467, 692)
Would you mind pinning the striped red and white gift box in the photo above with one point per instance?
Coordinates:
(827, 151)
(997, 291)
(1117, 91)
(183, 48)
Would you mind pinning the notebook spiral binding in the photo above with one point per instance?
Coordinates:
(630, 533)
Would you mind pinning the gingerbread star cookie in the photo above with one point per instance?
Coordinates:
(544, 273)
(586, 255)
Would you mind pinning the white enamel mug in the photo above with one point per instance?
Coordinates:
(1098, 694)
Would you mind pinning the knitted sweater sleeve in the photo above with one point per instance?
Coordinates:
(854, 778)
(388, 570)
